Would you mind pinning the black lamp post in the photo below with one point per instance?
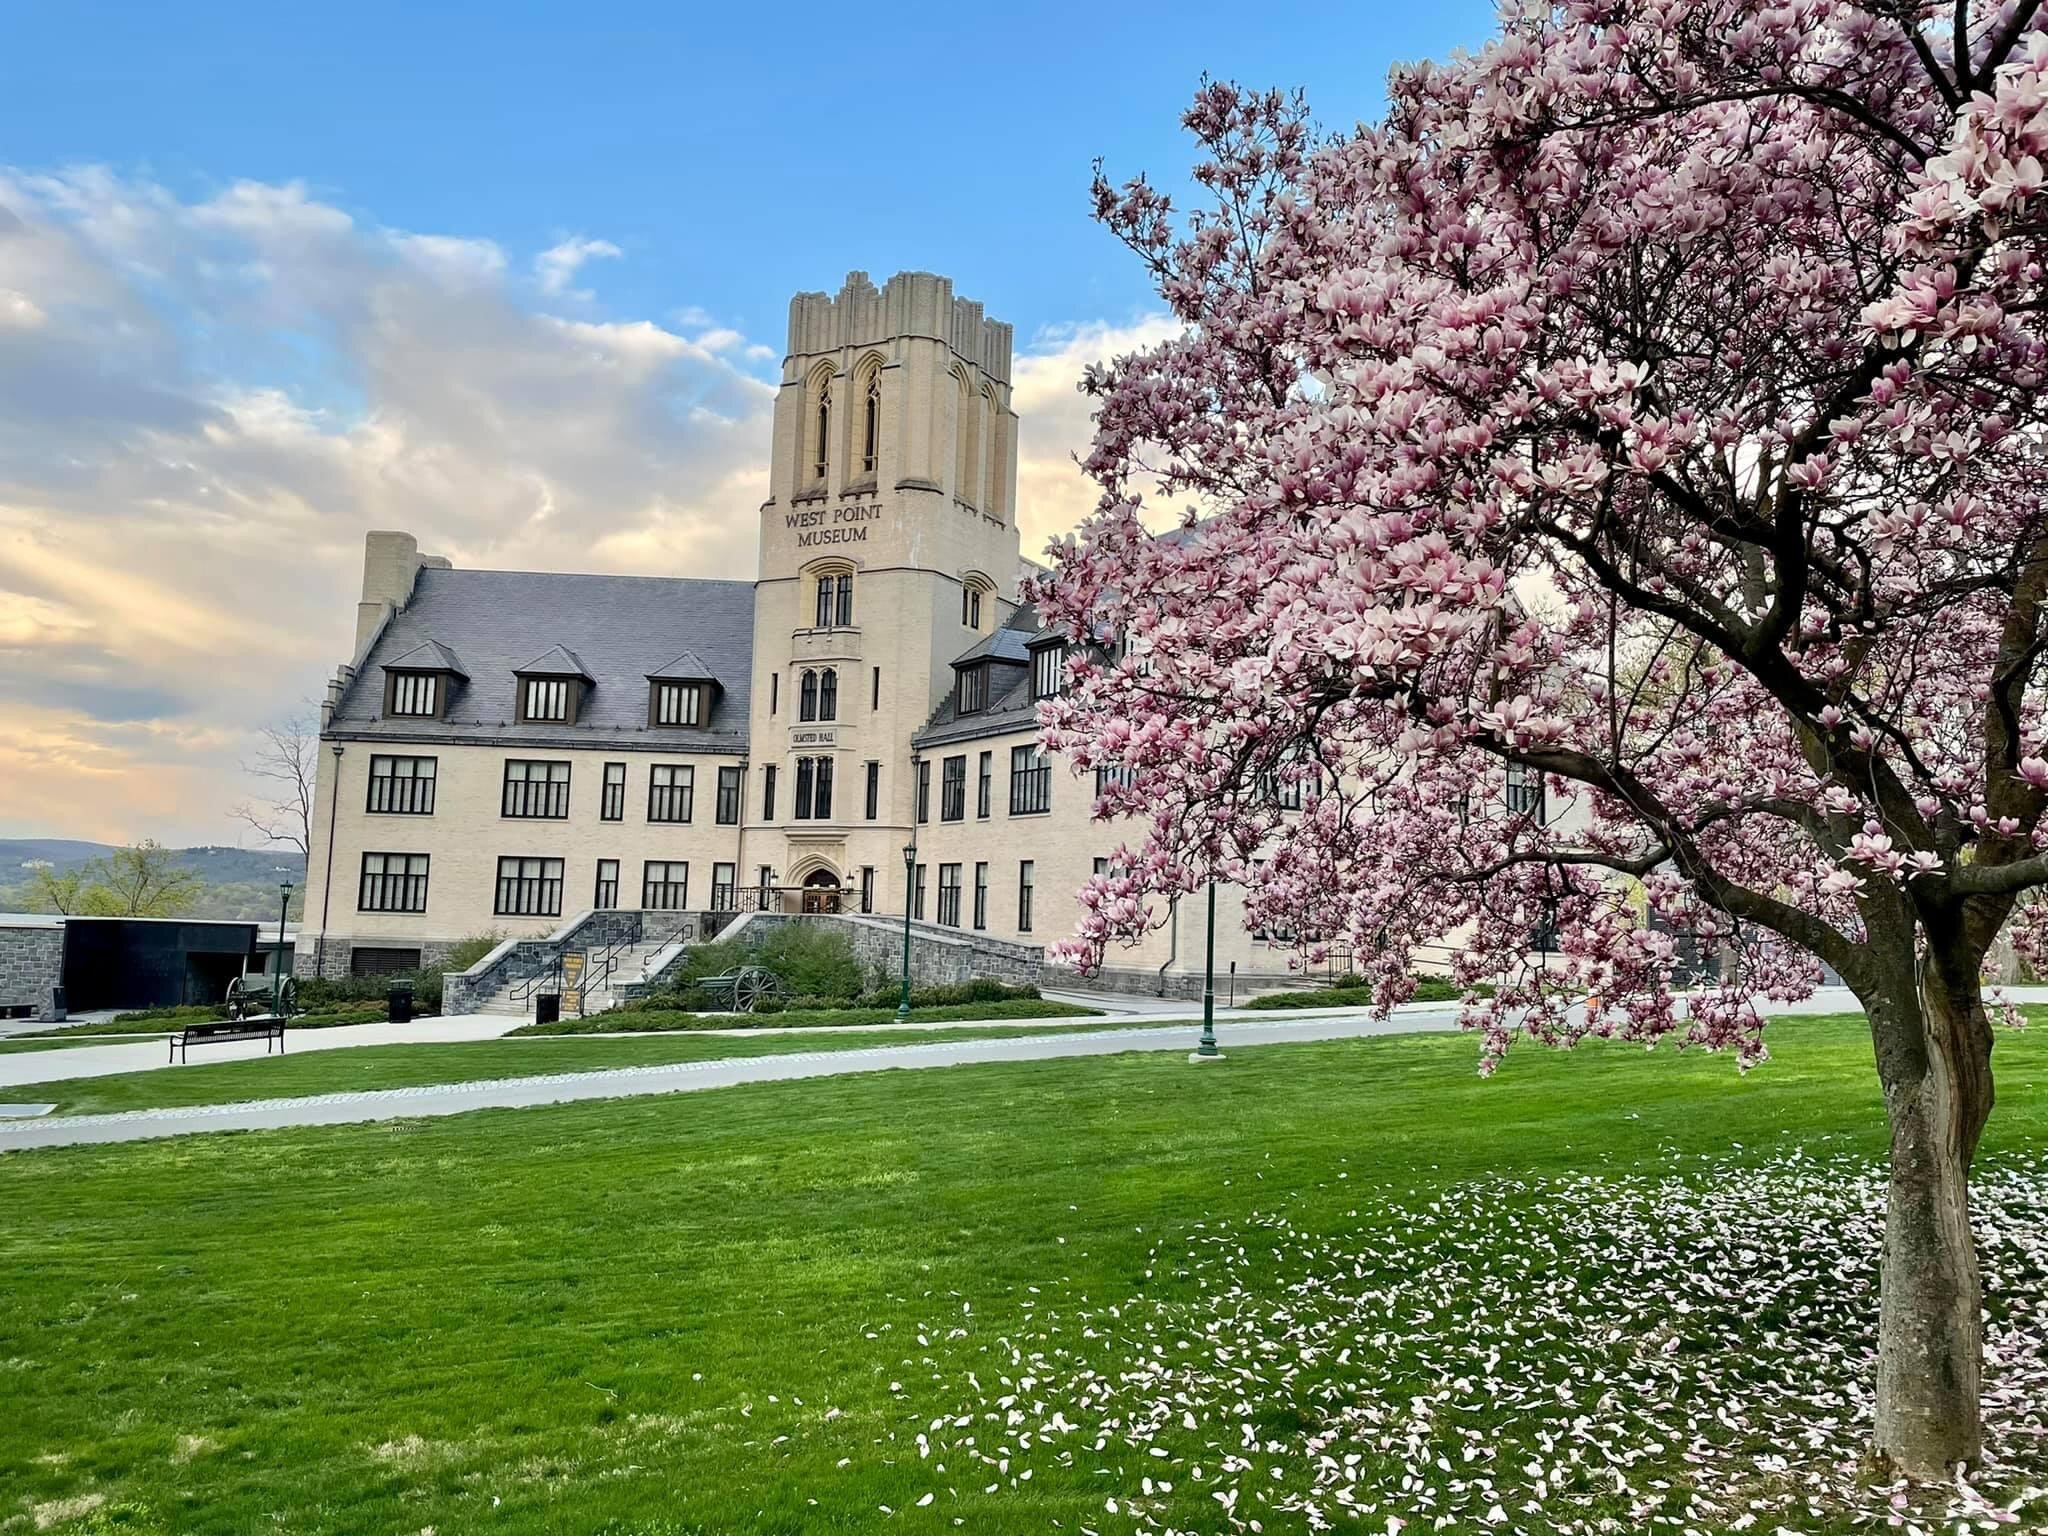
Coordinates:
(909, 879)
(1206, 1051)
(284, 906)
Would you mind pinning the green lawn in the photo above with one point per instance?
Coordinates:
(739, 1311)
(407, 1066)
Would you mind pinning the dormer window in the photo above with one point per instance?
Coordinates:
(678, 704)
(547, 699)
(1048, 670)
(416, 694)
(973, 693)
(680, 695)
(417, 684)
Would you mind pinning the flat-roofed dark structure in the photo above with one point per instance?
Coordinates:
(143, 962)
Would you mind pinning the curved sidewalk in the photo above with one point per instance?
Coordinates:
(675, 1077)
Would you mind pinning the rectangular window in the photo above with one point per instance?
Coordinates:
(973, 689)
(980, 896)
(393, 882)
(984, 784)
(953, 789)
(824, 613)
(867, 887)
(1525, 792)
(768, 793)
(607, 895)
(729, 796)
(1102, 866)
(1025, 873)
(725, 880)
(949, 895)
(766, 884)
(843, 608)
(917, 895)
(611, 806)
(402, 786)
(875, 702)
(774, 691)
(671, 787)
(677, 704)
(545, 699)
(416, 693)
(1048, 670)
(529, 888)
(874, 801)
(536, 790)
(1106, 777)
(924, 789)
(814, 789)
(665, 886)
(1030, 782)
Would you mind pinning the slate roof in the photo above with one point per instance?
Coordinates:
(618, 629)
(558, 662)
(427, 656)
(686, 668)
(1010, 707)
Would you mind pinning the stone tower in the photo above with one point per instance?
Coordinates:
(888, 547)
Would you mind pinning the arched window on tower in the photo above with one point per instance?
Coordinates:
(821, 454)
(828, 694)
(990, 420)
(807, 697)
(843, 599)
(871, 425)
(966, 434)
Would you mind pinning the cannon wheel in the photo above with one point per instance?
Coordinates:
(752, 985)
(237, 999)
(286, 1002)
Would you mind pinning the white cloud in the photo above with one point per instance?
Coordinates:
(1055, 418)
(557, 266)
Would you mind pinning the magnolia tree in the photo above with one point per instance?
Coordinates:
(1621, 489)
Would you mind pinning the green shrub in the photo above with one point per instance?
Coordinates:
(318, 994)
(1428, 989)
(981, 990)
(472, 949)
(621, 1020)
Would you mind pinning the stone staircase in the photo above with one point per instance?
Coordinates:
(632, 965)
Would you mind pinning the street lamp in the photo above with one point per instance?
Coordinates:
(1206, 1051)
(909, 877)
(284, 906)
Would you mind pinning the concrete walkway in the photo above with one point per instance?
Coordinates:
(682, 1077)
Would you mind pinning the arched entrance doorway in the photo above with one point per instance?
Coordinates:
(821, 891)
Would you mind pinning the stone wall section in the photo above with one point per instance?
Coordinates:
(31, 964)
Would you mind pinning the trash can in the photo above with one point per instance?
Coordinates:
(58, 1011)
(399, 1000)
(547, 1008)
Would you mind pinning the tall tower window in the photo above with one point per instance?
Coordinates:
(821, 454)
(828, 694)
(842, 588)
(871, 426)
(966, 434)
(807, 697)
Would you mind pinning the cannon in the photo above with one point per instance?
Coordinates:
(743, 988)
(256, 994)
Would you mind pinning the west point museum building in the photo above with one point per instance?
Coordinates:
(507, 750)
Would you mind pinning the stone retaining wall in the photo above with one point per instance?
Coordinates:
(31, 963)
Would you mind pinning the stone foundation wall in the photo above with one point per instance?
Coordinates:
(939, 956)
(31, 963)
(333, 962)
(1139, 982)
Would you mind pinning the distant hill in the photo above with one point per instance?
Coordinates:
(238, 882)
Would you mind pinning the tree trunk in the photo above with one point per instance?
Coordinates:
(1934, 1058)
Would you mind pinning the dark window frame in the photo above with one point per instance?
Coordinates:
(1030, 782)
(984, 790)
(667, 894)
(611, 795)
(1048, 670)
(731, 795)
(689, 704)
(403, 890)
(604, 896)
(767, 792)
(663, 800)
(953, 788)
(1027, 885)
(523, 797)
(981, 896)
(874, 789)
(530, 895)
(725, 892)
(971, 695)
(436, 682)
(949, 895)
(402, 793)
(924, 790)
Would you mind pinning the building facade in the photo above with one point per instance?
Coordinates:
(508, 749)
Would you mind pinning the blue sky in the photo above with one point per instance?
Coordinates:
(513, 277)
(735, 153)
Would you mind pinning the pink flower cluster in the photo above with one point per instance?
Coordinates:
(1647, 410)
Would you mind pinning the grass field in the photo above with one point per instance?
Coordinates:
(359, 1068)
(662, 1020)
(1145, 1292)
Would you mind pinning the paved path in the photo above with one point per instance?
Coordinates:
(680, 1077)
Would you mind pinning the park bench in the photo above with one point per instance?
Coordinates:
(202, 1031)
(743, 988)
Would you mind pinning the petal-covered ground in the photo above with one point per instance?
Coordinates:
(1689, 1349)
